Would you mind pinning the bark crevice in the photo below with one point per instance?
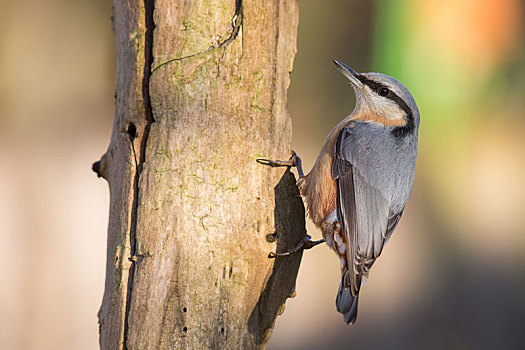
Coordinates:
(237, 20)
(149, 8)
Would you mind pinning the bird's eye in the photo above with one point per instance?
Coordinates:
(383, 91)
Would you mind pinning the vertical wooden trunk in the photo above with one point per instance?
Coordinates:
(201, 93)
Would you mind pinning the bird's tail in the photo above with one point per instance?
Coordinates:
(346, 303)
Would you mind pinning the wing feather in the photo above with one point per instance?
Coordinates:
(364, 212)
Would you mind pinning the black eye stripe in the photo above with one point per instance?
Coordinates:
(374, 85)
(400, 131)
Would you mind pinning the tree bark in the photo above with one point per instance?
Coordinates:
(200, 95)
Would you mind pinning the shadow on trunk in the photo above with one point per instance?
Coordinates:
(289, 231)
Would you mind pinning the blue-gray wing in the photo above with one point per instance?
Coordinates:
(364, 210)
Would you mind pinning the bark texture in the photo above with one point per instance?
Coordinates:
(200, 95)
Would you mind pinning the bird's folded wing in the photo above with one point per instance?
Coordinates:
(364, 213)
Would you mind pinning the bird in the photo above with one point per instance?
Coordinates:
(362, 179)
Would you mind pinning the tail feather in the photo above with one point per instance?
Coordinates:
(347, 304)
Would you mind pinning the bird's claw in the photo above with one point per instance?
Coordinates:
(294, 156)
(292, 162)
(306, 243)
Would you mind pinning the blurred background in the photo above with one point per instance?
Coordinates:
(452, 277)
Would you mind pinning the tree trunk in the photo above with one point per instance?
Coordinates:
(200, 95)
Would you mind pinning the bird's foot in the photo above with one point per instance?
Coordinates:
(294, 161)
(306, 243)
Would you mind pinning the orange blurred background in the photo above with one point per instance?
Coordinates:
(453, 276)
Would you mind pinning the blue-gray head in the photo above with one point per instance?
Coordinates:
(382, 99)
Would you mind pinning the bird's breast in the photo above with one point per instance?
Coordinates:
(319, 188)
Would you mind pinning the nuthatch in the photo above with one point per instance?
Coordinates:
(362, 179)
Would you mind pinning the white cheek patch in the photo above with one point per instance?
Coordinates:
(389, 109)
(385, 107)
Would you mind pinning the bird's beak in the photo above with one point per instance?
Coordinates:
(349, 73)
